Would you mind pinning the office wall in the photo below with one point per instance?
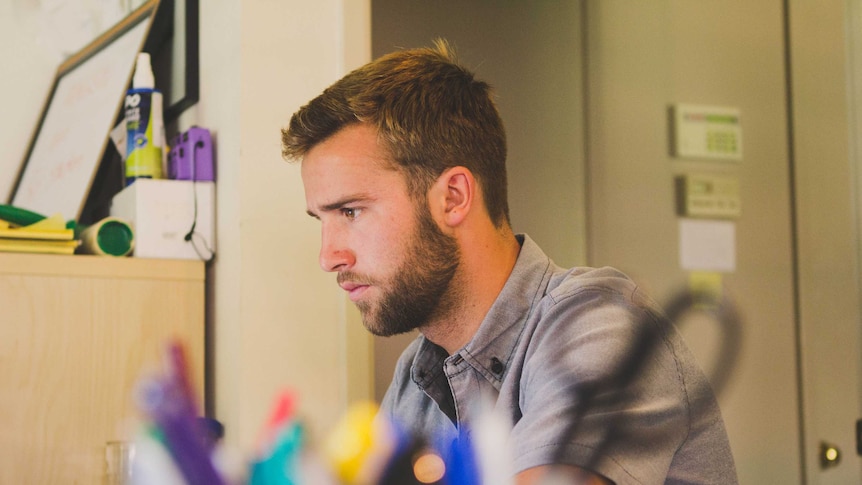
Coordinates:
(277, 321)
(798, 236)
(825, 50)
(644, 56)
(24, 93)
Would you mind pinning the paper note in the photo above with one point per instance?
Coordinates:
(707, 245)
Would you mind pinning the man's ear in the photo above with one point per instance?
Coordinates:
(456, 190)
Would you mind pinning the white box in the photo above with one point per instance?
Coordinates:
(162, 214)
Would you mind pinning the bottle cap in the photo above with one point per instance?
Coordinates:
(143, 73)
(108, 237)
(115, 238)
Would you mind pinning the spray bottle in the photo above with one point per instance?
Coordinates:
(145, 138)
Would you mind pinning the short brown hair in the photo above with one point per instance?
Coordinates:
(430, 112)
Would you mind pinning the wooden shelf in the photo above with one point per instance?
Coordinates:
(76, 334)
(100, 266)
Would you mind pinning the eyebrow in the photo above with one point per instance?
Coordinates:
(339, 204)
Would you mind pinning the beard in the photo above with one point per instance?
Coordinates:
(420, 289)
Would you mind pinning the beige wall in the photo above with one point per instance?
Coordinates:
(797, 240)
(25, 91)
(827, 235)
(278, 320)
(645, 56)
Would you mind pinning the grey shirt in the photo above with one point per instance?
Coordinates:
(552, 337)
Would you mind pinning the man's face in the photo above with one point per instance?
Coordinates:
(391, 257)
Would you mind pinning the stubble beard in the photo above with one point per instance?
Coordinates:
(421, 288)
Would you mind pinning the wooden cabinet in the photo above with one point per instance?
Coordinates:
(76, 334)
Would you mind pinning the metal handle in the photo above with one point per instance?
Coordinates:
(830, 455)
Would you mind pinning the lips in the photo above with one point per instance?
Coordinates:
(354, 290)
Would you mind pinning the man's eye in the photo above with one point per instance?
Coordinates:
(350, 212)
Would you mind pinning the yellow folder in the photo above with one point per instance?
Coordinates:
(51, 228)
(38, 246)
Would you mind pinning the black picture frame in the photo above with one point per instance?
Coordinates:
(191, 94)
(164, 45)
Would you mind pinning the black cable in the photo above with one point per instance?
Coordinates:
(651, 333)
(190, 236)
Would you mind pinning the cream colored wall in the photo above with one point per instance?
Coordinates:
(827, 235)
(29, 68)
(278, 320)
(645, 56)
(732, 53)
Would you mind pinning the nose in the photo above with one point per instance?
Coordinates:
(334, 253)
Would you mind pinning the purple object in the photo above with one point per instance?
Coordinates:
(169, 401)
(191, 156)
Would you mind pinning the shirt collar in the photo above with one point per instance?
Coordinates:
(491, 348)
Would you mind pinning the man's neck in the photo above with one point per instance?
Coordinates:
(486, 263)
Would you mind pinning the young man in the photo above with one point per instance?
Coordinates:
(403, 162)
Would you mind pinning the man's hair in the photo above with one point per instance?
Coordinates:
(430, 112)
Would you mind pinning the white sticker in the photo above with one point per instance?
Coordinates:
(707, 245)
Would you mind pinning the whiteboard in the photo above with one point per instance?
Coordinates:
(73, 132)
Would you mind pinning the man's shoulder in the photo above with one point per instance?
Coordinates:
(606, 285)
(583, 278)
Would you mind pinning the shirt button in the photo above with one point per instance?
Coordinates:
(497, 367)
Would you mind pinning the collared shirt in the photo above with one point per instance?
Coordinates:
(547, 356)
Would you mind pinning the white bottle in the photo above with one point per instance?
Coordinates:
(145, 131)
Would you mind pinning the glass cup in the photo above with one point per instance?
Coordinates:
(118, 462)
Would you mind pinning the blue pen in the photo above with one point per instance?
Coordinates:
(461, 465)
